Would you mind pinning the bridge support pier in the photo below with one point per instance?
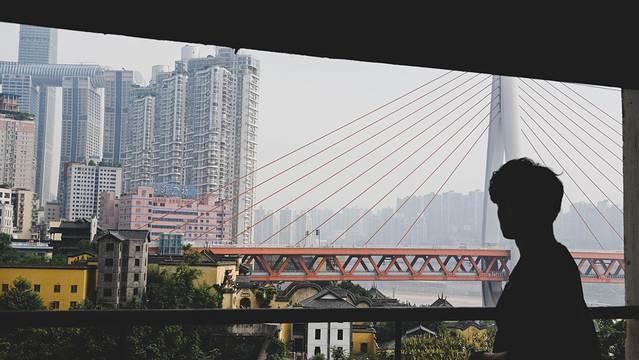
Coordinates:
(630, 108)
(503, 145)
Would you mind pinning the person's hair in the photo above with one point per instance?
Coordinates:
(524, 183)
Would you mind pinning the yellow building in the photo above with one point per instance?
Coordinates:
(81, 256)
(364, 340)
(212, 272)
(59, 286)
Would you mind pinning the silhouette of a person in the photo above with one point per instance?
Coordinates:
(541, 313)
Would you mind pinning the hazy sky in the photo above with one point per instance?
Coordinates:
(303, 97)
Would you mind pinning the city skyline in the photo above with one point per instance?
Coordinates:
(454, 220)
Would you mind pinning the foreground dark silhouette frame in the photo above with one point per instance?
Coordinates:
(125, 319)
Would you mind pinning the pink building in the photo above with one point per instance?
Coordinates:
(200, 221)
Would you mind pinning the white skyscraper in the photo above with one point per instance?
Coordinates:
(39, 45)
(83, 186)
(138, 155)
(81, 121)
(117, 85)
(245, 70)
(168, 128)
(209, 131)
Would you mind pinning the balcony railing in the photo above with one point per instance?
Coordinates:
(125, 319)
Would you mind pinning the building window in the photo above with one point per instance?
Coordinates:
(340, 334)
(109, 247)
(36, 287)
(317, 350)
(318, 334)
(137, 262)
(73, 304)
(107, 292)
(108, 262)
(108, 277)
(74, 288)
(5, 287)
(363, 348)
(138, 248)
(135, 291)
(56, 288)
(136, 277)
(54, 305)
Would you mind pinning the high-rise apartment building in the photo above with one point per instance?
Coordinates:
(208, 164)
(117, 85)
(168, 128)
(81, 126)
(81, 121)
(246, 71)
(138, 155)
(17, 150)
(84, 184)
(39, 45)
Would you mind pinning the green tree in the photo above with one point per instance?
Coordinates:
(264, 295)
(177, 290)
(276, 350)
(612, 334)
(338, 353)
(447, 345)
(8, 254)
(20, 297)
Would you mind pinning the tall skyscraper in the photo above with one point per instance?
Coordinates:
(81, 121)
(209, 130)
(39, 45)
(117, 85)
(168, 128)
(138, 154)
(81, 125)
(84, 185)
(246, 70)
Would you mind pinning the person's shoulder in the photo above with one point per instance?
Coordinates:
(563, 260)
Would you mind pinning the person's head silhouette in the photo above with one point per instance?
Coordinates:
(528, 197)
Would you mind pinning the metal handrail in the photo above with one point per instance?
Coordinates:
(124, 319)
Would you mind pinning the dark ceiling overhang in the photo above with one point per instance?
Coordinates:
(595, 50)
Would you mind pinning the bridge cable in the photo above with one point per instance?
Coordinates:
(394, 167)
(381, 160)
(371, 137)
(417, 189)
(565, 193)
(580, 115)
(567, 117)
(361, 157)
(569, 143)
(441, 187)
(581, 106)
(572, 132)
(573, 180)
(573, 161)
(591, 103)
